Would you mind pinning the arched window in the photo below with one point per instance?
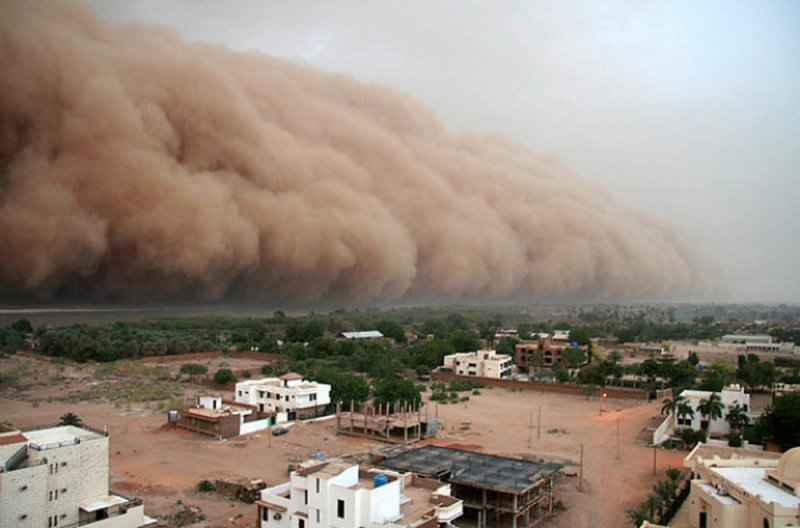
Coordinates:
(766, 523)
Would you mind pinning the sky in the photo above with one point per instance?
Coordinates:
(688, 110)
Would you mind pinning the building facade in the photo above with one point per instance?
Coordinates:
(58, 477)
(745, 492)
(219, 418)
(290, 397)
(549, 346)
(482, 364)
(730, 395)
(338, 494)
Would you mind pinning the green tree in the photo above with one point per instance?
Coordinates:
(22, 326)
(225, 375)
(396, 390)
(536, 360)
(70, 419)
(684, 411)
(780, 422)
(391, 329)
(669, 405)
(345, 387)
(738, 419)
(464, 342)
(710, 409)
(572, 357)
(717, 375)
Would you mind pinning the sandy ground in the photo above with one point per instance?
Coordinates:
(500, 421)
(164, 465)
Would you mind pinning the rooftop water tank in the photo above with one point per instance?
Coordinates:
(380, 479)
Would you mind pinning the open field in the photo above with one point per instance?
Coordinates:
(164, 465)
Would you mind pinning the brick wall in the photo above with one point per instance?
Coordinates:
(563, 388)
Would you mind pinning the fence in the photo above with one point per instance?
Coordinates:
(563, 388)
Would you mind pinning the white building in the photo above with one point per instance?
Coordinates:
(58, 477)
(482, 364)
(752, 343)
(340, 495)
(290, 396)
(744, 492)
(730, 396)
(364, 334)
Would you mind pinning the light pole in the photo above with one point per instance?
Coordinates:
(603, 402)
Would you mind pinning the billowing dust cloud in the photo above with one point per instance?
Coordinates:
(135, 166)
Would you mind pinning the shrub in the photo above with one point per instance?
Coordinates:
(206, 486)
(193, 369)
(266, 369)
(225, 375)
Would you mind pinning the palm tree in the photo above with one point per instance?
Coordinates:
(669, 405)
(665, 489)
(711, 409)
(654, 503)
(684, 411)
(638, 515)
(70, 419)
(738, 419)
(674, 474)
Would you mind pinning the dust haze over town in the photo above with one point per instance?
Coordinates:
(435, 264)
(138, 167)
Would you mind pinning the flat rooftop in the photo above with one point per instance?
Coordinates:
(471, 468)
(752, 480)
(65, 434)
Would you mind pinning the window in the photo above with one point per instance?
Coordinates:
(312, 397)
(317, 516)
(51, 496)
(305, 497)
(317, 485)
(264, 514)
(301, 523)
(766, 523)
(340, 509)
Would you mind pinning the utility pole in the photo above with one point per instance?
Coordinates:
(580, 472)
(530, 428)
(617, 438)
(539, 425)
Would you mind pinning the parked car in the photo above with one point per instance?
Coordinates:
(277, 431)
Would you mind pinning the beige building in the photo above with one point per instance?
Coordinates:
(745, 491)
(482, 364)
(58, 477)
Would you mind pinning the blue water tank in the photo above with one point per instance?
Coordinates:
(380, 479)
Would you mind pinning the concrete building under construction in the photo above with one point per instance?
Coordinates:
(395, 423)
(497, 491)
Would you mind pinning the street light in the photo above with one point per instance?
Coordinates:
(603, 402)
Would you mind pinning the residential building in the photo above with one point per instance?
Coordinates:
(498, 492)
(745, 491)
(549, 346)
(482, 364)
(339, 494)
(220, 418)
(290, 397)
(58, 477)
(365, 334)
(730, 395)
